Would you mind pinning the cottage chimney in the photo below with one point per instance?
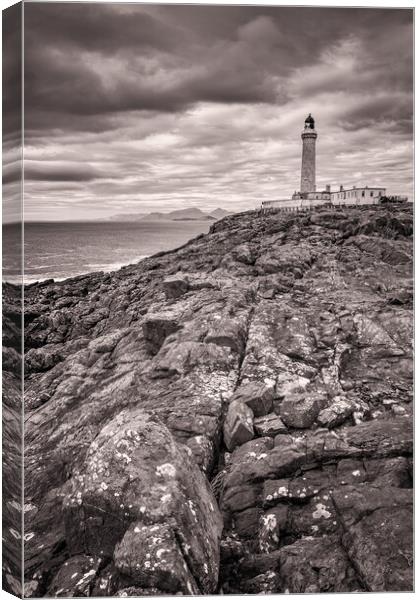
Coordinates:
(328, 188)
(341, 188)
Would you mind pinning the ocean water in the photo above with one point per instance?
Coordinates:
(61, 250)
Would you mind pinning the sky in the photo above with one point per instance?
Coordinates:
(138, 108)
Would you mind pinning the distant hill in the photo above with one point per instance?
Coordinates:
(185, 214)
(219, 213)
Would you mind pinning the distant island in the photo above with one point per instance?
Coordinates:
(186, 214)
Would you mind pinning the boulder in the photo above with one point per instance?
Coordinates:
(253, 565)
(335, 414)
(257, 395)
(246, 522)
(202, 450)
(316, 565)
(266, 583)
(107, 582)
(301, 410)
(108, 342)
(381, 438)
(42, 359)
(151, 556)
(255, 449)
(94, 317)
(393, 472)
(175, 286)
(201, 281)
(275, 490)
(243, 253)
(269, 425)
(284, 258)
(228, 332)
(298, 489)
(240, 497)
(378, 535)
(75, 577)
(135, 475)
(156, 328)
(180, 358)
(238, 427)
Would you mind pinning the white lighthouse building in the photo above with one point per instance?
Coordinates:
(308, 197)
(308, 194)
(308, 174)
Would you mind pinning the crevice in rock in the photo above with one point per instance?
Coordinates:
(242, 355)
(180, 543)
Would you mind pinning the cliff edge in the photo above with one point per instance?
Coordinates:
(234, 416)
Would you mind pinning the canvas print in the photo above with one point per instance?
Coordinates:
(207, 299)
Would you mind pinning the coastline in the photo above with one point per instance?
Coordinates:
(111, 268)
(180, 239)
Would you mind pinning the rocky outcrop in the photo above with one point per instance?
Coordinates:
(12, 437)
(259, 377)
(162, 527)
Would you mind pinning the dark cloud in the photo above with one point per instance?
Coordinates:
(12, 69)
(52, 171)
(104, 28)
(392, 110)
(98, 58)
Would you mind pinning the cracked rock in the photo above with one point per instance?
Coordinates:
(238, 427)
(257, 395)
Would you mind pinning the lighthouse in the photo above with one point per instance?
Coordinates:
(308, 198)
(309, 135)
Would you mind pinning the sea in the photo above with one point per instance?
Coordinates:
(60, 250)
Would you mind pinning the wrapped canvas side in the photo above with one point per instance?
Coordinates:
(12, 297)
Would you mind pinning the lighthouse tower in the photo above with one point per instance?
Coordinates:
(309, 135)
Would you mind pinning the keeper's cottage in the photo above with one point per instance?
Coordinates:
(308, 197)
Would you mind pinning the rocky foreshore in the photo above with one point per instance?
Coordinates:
(234, 416)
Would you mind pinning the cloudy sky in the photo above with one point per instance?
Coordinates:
(133, 108)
